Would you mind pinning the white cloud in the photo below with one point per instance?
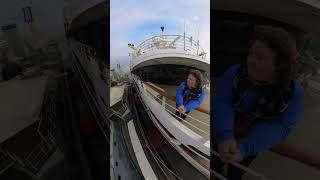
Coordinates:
(128, 16)
(193, 3)
(120, 53)
(124, 18)
(204, 37)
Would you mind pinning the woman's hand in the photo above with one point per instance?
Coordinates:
(229, 152)
(181, 109)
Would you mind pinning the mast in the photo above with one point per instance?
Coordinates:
(184, 34)
(27, 12)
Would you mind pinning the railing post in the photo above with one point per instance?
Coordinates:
(163, 102)
(197, 47)
(184, 41)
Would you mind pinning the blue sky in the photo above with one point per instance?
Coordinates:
(134, 21)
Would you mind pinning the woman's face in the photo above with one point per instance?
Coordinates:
(260, 62)
(191, 81)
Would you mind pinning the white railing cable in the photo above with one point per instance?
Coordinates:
(219, 176)
(84, 85)
(170, 42)
(162, 163)
(183, 113)
(208, 125)
(258, 175)
(6, 161)
(179, 117)
(183, 119)
(190, 124)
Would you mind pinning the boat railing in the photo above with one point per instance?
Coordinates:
(285, 148)
(173, 98)
(240, 166)
(88, 86)
(178, 42)
(172, 109)
(163, 96)
(6, 160)
(37, 157)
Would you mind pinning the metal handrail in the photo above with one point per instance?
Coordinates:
(219, 176)
(287, 149)
(258, 175)
(6, 160)
(175, 109)
(90, 95)
(208, 125)
(173, 114)
(173, 98)
(179, 42)
(178, 116)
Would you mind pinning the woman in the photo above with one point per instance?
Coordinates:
(190, 93)
(257, 104)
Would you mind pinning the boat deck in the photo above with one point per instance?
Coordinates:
(116, 94)
(21, 102)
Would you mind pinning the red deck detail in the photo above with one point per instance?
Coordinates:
(150, 112)
(87, 124)
(136, 100)
(196, 157)
(156, 138)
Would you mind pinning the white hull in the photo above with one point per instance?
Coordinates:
(176, 133)
(169, 49)
(169, 56)
(74, 8)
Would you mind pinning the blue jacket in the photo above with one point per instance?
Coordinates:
(261, 136)
(191, 104)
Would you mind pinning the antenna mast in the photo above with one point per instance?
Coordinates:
(184, 34)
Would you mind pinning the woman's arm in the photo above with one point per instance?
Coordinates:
(222, 120)
(263, 136)
(195, 103)
(179, 96)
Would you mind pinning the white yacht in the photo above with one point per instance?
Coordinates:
(132, 156)
(158, 65)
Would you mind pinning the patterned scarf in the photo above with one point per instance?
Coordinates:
(271, 102)
(194, 93)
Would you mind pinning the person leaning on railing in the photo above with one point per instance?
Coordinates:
(256, 104)
(190, 93)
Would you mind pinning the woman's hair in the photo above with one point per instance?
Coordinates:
(198, 75)
(284, 48)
